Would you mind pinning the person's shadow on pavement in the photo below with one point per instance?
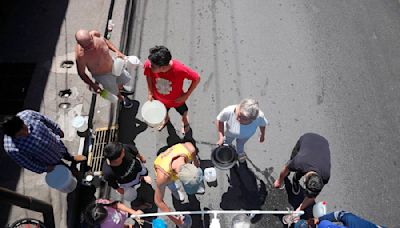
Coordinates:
(244, 192)
(129, 125)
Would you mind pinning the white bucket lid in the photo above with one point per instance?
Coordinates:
(153, 112)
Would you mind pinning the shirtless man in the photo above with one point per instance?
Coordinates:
(92, 52)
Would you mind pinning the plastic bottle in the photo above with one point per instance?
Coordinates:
(109, 96)
(210, 174)
(319, 209)
(159, 223)
(110, 26)
(215, 223)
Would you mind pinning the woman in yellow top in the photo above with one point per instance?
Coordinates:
(176, 164)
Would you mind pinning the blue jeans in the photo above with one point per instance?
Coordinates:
(348, 219)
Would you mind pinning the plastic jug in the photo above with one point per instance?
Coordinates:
(118, 66)
(319, 209)
(210, 174)
(159, 223)
(109, 96)
(241, 221)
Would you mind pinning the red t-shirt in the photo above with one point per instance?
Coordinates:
(168, 86)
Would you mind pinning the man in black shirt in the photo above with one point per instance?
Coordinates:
(124, 167)
(310, 158)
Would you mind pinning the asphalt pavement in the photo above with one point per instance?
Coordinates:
(329, 67)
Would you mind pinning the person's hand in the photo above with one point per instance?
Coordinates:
(196, 162)
(261, 138)
(96, 88)
(182, 98)
(150, 97)
(142, 158)
(179, 220)
(139, 212)
(50, 168)
(220, 141)
(277, 183)
(120, 55)
(120, 191)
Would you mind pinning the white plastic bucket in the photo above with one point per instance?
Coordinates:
(210, 174)
(118, 66)
(132, 62)
(61, 179)
(154, 112)
(130, 194)
(80, 123)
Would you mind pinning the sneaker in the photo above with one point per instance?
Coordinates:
(127, 103)
(242, 157)
(178, 195)
(124, 91)
(295, 186)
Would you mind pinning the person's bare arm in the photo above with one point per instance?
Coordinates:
(284, 172)
(221, 130)
(129, 210)
(81, 67)
(306, 203)
(262, 135)
(161, 184)
(150, 93)
(114, 49)
(186, 95)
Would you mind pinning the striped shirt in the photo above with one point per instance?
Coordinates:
(41, 148)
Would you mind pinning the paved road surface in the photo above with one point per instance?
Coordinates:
(330, 67)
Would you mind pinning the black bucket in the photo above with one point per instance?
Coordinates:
(224, 157)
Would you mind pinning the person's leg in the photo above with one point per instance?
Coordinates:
(240, 149)
(165, 122)
(183, 111)
(176, 192)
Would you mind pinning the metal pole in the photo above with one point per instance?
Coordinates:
(30, 203)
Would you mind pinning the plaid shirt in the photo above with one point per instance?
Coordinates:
(41, 148)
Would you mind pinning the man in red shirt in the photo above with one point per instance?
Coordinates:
(165, 77)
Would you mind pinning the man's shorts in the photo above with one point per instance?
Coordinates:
(110, 82)
(181, 109)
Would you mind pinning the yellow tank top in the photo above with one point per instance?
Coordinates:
(163, 161)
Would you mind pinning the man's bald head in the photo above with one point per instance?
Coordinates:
(84, 38)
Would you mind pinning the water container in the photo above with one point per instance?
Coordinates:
(215, 223)
(159, 223)
(153, 112)
(109, 96)
(319, 209)
(130, 194)
(241, 221)
(80, 123)
(132, 62)
(61, 179)
(210, 174)
(224, 157)
(118, 66)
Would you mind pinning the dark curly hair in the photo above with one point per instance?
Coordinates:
(11, 125)
(314, 185)
(96, 213)
(160, 56)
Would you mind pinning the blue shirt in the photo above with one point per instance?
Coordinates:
(41, 148)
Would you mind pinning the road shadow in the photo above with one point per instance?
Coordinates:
(244, 192)
(129, 127)
(9, 178)
(192, 205)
